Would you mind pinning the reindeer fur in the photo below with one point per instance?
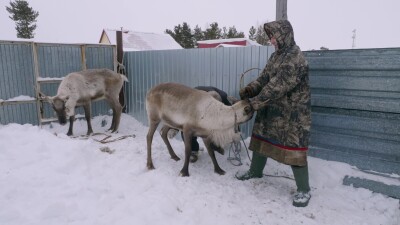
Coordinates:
(82, 88)
(195, 113)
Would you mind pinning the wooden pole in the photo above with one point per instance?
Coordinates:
(120, 47)
(281, 10)
(120, 56)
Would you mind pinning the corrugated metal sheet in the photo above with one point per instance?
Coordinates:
(16, 70)
(356, 107)
(16, 79)
(100, 56)
(17, 74)
(220, 67)
(55, 61)
(355, 94)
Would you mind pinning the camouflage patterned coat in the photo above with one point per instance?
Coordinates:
(282, 128)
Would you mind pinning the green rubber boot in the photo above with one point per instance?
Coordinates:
(302, 196)
(256, 168)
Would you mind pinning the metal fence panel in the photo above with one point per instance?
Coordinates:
(219, 67)
(355, 94)
(356, 107)
(100, 56)
(57, 60)
(16, 70)
(17, 74)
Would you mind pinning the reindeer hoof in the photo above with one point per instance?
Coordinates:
(184, 174)
(69, 134)
(176, 158)
(150, 166)
(219, 171)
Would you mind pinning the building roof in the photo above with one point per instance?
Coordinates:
(140, 41)
(239, 42)
(228, 46)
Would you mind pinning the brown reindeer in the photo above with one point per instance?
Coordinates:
(195, 113)
(82, 88)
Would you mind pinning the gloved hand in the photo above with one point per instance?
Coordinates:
(257, 105)
(245, 93)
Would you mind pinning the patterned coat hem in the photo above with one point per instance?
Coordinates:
(283, 154)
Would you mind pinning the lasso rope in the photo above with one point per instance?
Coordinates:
(106, 139)
(236, 147)
(241, 84)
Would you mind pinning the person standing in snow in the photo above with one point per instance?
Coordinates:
(281, 129)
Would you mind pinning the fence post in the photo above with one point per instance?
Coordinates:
(281, 10)
(37, 84)
(83, 57)
(120, 67)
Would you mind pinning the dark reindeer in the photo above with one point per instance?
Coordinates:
(195, 113)
(83, 87)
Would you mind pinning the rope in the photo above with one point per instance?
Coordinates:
(247, 150)
(278, 176)
(105, 140)
(242, 76)
(248, 155)
(236, 148)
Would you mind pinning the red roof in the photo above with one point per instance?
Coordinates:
(232, 41)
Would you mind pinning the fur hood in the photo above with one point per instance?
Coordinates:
(283, 32)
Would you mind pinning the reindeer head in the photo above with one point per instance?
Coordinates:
(244, 111)
(59, 107)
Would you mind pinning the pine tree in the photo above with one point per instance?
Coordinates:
(24, 17)
(176, 34)
(198, 35)
(233, 33)
(213, 32)
(224, 33)
(261, 36)
(183, 35)
(252, 33)
(187, 36)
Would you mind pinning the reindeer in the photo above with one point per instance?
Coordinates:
(195, 113)
(80, 89)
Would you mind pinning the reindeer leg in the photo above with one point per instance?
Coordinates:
(152, 128)
(71, 124)
(117, 110)
(88, 115)
(112, 121)
(164, 135)
(211, 152)
(188, 148)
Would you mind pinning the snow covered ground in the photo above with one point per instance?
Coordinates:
(49, 179)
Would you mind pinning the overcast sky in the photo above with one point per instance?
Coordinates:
(316, 23)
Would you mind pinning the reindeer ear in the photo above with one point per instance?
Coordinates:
(45, 97)
(49, 99)
(42, 96)
(232, 99)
